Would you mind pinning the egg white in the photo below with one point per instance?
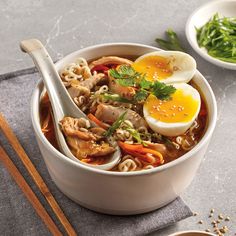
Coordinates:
(175, 128)
(184, 62)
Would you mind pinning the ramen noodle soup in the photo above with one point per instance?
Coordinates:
(148, 105)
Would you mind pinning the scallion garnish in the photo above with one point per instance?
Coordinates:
(218, 36)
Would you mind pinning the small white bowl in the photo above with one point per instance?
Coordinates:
(117, 192)
(192, 233)
(199, 17)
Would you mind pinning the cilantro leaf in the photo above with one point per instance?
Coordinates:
(125, 75)
(145, 84)
(141, 95)
(127, 70)
(115, 74)
(163, 91)
(129, 82)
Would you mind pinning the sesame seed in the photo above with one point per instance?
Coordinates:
(175, 68)
(200, 222)
(212, 210)
(207, 230)
(210, 215)
(195, 214)
(227, 218)
(223, 230)
(220, 216)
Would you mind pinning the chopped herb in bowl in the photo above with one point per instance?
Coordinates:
(218, 37)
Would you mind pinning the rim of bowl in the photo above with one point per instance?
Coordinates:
(191, 231)
(36, 93)
(196, 47)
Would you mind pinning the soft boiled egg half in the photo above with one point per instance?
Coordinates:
(175, 116)
(166, 66)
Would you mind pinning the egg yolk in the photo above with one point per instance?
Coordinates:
(181, 108)
(155, 67)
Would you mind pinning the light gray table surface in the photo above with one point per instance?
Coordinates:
(65, 26)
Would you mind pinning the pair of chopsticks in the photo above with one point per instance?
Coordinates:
(11, 137)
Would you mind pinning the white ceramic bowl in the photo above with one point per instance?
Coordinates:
(192, 233)
(116, 192)
(199, 17)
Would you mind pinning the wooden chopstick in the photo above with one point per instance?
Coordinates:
(28, 192)
(4, 126)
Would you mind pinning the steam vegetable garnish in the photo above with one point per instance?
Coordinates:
(126, 76)
(134, 133)
(115, 125)
(115, 97)
(218, 36)
(138, 150)
(172, 43)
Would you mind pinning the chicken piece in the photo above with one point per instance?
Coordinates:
(83, 88)
(92, 81)
(84, 141)
(103, 149)
(110, 114)
(98, 132)
(82, 149)
(125, 92)
(72, 127)
(110, 60)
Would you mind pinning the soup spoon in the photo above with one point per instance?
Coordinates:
(61, 102)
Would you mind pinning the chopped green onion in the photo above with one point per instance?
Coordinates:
(218, 36)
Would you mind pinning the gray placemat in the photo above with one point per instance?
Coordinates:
(17, 217)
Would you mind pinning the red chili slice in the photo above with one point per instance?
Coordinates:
(100, 69)
(103, 68)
